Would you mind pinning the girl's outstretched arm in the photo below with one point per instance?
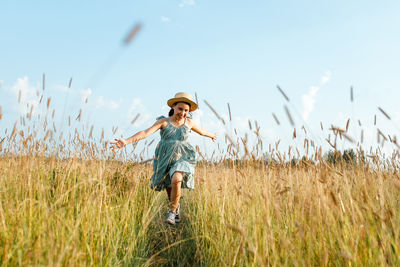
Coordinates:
(120, 143)
(203, 132)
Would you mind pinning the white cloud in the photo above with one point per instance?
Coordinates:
(85, 94)
(110, 104)
(308, 99)
(100, 102)
(114, 105)
(309, 102)
(27, 96)
(165, 19)
(326, 78)
(187, 3)
(1, 83)
(137, 107)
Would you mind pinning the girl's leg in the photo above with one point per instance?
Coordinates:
(169, 193)
(177, 179)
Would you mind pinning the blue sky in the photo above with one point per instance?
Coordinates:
(225, 51)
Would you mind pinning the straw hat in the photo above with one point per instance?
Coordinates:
(183, 97)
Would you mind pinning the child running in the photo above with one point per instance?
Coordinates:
(175, 157)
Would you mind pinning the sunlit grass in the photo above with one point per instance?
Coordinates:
(74, 212)
(67, 200)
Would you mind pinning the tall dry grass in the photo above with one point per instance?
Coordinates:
(297, 216)
(66, 200)
(74, 212)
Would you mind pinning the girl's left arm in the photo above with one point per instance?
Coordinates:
(202, 132)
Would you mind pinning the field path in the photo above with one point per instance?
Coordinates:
(173, 245)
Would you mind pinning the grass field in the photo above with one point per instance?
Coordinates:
(69, 201)
(75, 212)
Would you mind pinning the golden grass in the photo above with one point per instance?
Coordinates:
(66, 200)
(74, 212)
(306, 216)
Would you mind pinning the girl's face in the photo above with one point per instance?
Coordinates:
(181, 110)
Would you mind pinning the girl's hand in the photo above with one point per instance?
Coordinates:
(118, 144)
(214, 137)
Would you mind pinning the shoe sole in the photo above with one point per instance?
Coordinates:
(170, 222)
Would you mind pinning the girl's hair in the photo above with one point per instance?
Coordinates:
(171, 111)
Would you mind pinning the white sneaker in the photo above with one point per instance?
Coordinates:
(178, 214)
(171, 217)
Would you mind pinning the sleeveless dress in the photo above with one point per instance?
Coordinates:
(173, 153)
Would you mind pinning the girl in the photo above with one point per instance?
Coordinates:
(175, 158)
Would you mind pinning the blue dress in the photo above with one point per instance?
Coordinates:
(173, 153)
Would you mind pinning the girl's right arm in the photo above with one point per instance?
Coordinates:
(120, 143)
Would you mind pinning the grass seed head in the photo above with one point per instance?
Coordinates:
(275, 118)
(230, 114)
(215, 112)
(289, 116)
(132, 34)
(135, 118)
(283, 93)
(384, 113)
(351, 93)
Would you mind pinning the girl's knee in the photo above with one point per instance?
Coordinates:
(177, 181)
(177, 177)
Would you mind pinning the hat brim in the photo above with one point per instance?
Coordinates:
(172, 101)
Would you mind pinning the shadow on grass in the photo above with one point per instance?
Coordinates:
(173, 245)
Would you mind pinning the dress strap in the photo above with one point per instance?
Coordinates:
(160, 117)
